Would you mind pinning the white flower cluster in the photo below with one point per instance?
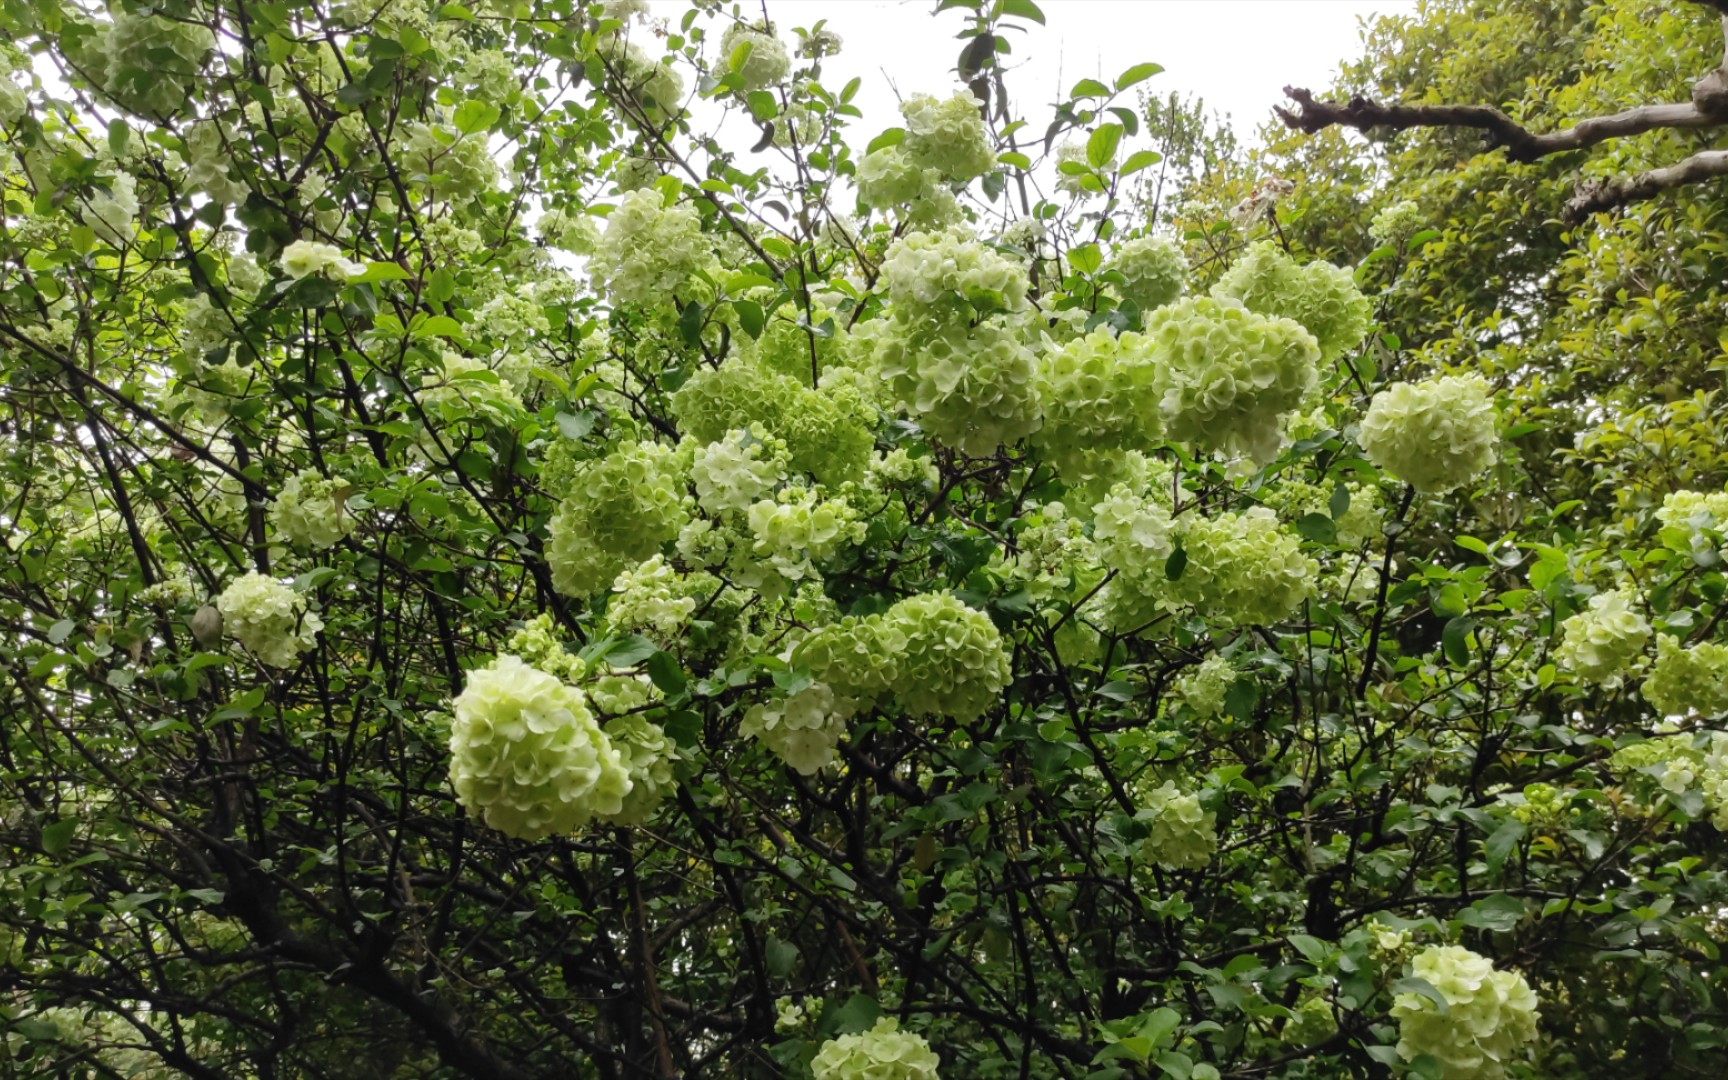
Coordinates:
(110, 209)
(652, 595)
(527, 756)
(1434, 435)
(802, 729)
(269, 618)
(649, 755)
(972, 388)
(929, 269)
(1490, 1015)
(1687, 679)
(1243, 569)
(619, 510)
(311, 511)
(1096, 393)
(1320, 296)
(1397, 223)
(1184, 834)
(1226, 376)
(649, 250)
(738, 470)
(1203, 687)
(152, 59)
(1153, 270)
(882, 1053)
(1603, 640)
(764, 60)
(795, 530)
(948, 135)
(303, 258)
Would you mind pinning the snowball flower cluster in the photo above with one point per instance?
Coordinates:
(151, 60)
(527, 756)
(311, 510)
(799, 528)
(303, 258)
(1153, 269)
(1242, 569)
(1224, 376)
(1203, 687)
(824, 433)
(1603, 640)
(269, 618)
(1490, 1015)
(1184, 834)
(803, 729)
(972, 389)
(1687, 679)
(1397, 223)
(619, 510)
(649, 250)
(882, 1053)
(948, 136)
(925, 269)
(110, 210)
(1693, 522)
(1434, 435)
(1096, 393)
(651, 595)
(1320, 296)
(648, 755)
(766, 61)
(738, 470)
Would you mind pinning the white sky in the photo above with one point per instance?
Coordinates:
(1237, 54)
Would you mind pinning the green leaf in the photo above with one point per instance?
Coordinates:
(1312, 949)
(474, 116)
(575, 425)
(1318, 528)
(1501, 843)
(1085, 259)
(382, 271)
(1140, 159)
(628, 651)
(690, 324)
(780, 955)
(1086, 88)
(1498, 913)
(1455, 639)
(891, 137)
(118, 135)
(1339, 504)
(1024, 9)
(1139, 73)
(1101, 147)
(1176, 563)
(57, 836)
(762, 104)
(438, 326)
(1015, 159)
(858, 1014)
(750, 317)
(60, 631)
(667, 674)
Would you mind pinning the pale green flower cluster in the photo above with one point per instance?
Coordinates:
(1603, 640)
(1153, 269)
(1203, 687)
(1489, 1019)
(538, 645)
(1713, 780)
(1694, 521)
(1184, 834)
(738, 470)
(824, 431)
(1435, 435)
(268, 618)
(1322, 297)
(303, 258)
(1360, 523)
(527, 756)
(926, 270)
(802, 729)
(654, 596)
(175, 590)
(795, 530)
(888, 178)
(207, 162)
(1311, 1021)
(620, 509)
(311, 511)
(973, 389)
(948, 136)
(457, 167)
(882, 1053)
(203, 326)
(1225, 376)
(648, 755)
(576, 233)
(151, 60)
(931, 654)
(1397, 223)
(1096, 393)
(649, 250)
(1242, 569)
(1671, 759)
(655, 83)
(1543, 807)
(766, 61)
(111, 208)
(1687, 679)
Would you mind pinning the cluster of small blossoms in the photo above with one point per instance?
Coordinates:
(1322, 297)
(971, 388)
(1225, 376)
(208, 159)
(1359, 524)
(576, 233)
(111, 207)
(303, 258)
(1694, 522)
(738, 470)
(1687, 679)
(823, 430)
(1153, 269)
(882, 1053)
(652, 597)
(1096, 392)
(764, 63)
(173, 591)
(948, 135)
(1052, 552)
(1203, 687)
(1435, 435)
(1311, 1021)
(537, 643)
(801, 729)
(792, 532)
(268, 618)
(1183, 834)
(1397, 223)
(1605, 639)
(888, 178)
(925, 270)
(656, 84)
(1670, 759)
(311, 511)
(151, 60)
(1490, 1015)
(649, 250)
(203, 326)
(527, 756)
(819, 43)
(648, 755)
(619, 510)
(1543, 807)
(1242, 569)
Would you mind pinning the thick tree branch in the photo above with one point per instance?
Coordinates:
(1595, 196)
(1520, 144)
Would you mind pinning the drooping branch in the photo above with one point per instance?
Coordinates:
(1520, 144)
(1595, 196)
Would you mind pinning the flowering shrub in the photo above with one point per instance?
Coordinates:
(1320, 296)
(312, 511)
(1435, 435)
(882, 1053)
(1183, 835)
(269, 618)
(1603, 640)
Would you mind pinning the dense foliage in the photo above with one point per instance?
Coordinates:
(508, 578)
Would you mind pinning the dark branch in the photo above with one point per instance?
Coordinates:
(1595, 196)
